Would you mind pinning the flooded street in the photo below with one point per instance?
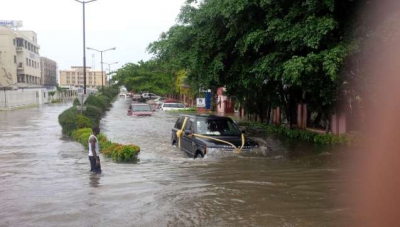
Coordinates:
(45, 179)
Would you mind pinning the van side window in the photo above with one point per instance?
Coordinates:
(190, 125)
(179, 123)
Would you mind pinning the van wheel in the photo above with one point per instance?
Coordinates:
(198, 154)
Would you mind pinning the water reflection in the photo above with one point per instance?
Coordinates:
(94, 180)
(43, 180)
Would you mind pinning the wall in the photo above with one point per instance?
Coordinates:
(12, 99)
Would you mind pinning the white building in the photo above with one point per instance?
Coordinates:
(19, 59)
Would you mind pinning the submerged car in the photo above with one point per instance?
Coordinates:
(173, 106)
(202, 134)
(140, 109)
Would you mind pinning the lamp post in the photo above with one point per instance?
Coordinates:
(101, 53)
(84, 44)
(109, 71)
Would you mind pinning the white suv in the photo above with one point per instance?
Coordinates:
(173, 106)
(149, 96)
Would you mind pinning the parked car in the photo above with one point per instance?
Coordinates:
(140, 109)
(136, 97)
(212, 127)
(159, 101)
(173, 106)
(149, 96)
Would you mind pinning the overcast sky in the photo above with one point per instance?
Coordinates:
(128, 25)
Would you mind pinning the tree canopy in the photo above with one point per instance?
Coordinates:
(266, 53)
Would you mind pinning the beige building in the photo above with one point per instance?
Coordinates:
(74, 77)
(48, 72)
(19, 58)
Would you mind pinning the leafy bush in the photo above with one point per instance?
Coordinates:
(326, 138)
(83, 122)
(94, 100)
(111, 92)
(82, 136)
(71, 120)
(118, 152)
(67, 120)
(93, 113)
(105, 99)
(76, 102)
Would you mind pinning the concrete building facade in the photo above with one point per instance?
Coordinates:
(48, 72)
(74, 77)
(19, 59)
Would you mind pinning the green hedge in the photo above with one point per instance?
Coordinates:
(79, 126)
(118, 152)
(93, 113)
(299, 134)
(95, 100)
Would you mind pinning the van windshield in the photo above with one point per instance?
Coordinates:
(223, 127)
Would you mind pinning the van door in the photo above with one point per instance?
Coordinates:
(187, 141)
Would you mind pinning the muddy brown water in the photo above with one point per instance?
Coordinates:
(45, 179)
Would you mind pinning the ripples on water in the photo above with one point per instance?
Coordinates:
(45, 179)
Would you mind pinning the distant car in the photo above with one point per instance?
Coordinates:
(136, 97)
(140, 109)
(173, 106)
(159, 101)
(204, 133)
(170, 101)
(149, 96)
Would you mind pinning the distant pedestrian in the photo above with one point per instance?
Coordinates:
(94, 151)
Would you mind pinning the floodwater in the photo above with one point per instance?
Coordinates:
(45, 179)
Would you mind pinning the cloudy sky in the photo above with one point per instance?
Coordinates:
(128, 25)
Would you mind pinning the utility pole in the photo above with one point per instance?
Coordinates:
(84, 44)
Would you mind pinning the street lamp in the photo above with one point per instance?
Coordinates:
(84, 44)
(109, 71)
(101, 53)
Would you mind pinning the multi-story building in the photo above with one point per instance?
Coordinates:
(48, 72)
(74, 77)
(19, 58)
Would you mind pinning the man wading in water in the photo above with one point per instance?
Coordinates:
(94, 151)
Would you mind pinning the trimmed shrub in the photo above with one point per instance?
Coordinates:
(94, 100)
(111, 92)
(118, 152)
(82, 136)
(76, 102)
(93, 113)
(83, 122)
(71, 120)
(105, 99)
(67, 120)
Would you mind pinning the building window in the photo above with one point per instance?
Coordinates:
(26, 61)
(15, 59)
(14, 41)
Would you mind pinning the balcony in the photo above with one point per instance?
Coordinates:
(20, 66)
(19, 49)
